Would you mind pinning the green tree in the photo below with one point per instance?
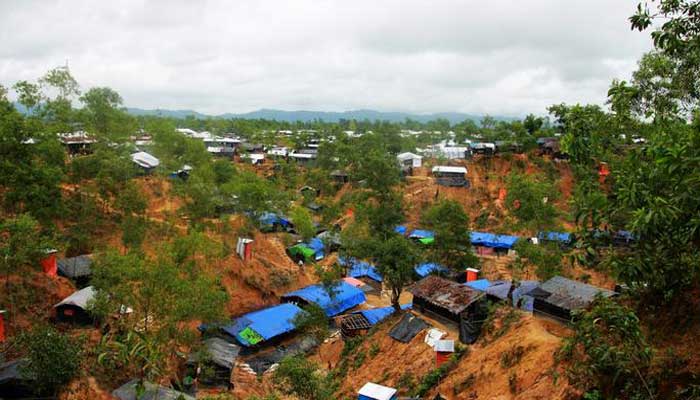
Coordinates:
(450, 224)
(531, 200)
(301, 377)
(608, 352)
(53, 358)
(396, 258)
(303, 223)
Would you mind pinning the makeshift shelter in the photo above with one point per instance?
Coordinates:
(79, 142)
(129, 391)
(13, 383)
(359, 322)
(367, 273)
(483, 148)
(500, 243)
(450, 176)
(410, 160)
(2, 325)
(426, 269)
(49, 264)
(214, 361)
(401, 230)
(345, 297)
(563, 238)
(479, 284)
(263, 325)
(407, 328)
(331, 238)
(559, 296)
(76, 268)
(145, 161)
(452, 303)
(443, 351)
(521, 297)
(422, 236)
(372, 391)
(74, 308)
(244, 248)
(271, 222)
(263, 361)
(340, 176)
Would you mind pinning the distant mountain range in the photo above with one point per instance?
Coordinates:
(327, 116)
(307, 116)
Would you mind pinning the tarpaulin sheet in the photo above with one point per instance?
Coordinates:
(561, 237)
(499, 289)
(407, 328)
(521, 297)
(267, 323)
(362, 269)
(421, 234)
(493, 240)
(345, 296)
(269, 218)
(375, 315)
(401, 230)
(479, 284)
(426, 269)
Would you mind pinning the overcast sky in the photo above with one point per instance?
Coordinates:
(504, 57)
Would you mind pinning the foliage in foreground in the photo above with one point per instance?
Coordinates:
(608, 352)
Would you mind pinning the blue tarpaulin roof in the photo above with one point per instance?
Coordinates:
(562, 237)
(268, 322)
(375, 315)
(400, 229)
(421, 234)
(269, 218)
(345, 297)
(426, 269)
(493, 240)
(362, 268)
(480, 284)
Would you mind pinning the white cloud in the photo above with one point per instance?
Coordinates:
(500, 57)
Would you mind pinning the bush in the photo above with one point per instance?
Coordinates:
(608, 352)
(54, 358)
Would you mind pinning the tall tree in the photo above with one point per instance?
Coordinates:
(452, 246)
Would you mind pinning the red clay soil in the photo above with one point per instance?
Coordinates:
(479, 374)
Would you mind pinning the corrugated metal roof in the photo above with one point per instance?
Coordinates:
(569, 294)
(446, 294)
(449, 170)
(75, 267)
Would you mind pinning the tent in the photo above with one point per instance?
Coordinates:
(560, 237)
(372, 391)
(493, 240)
(421, 234)
(363, 269)
(76, 268)
(13, 383)
(521, 297)
(401, 230)
(559, 296)
(302, 252)
(479, 284)
(344, 296)
(426, 269)
(407, 328)
(74, 308)
(262, 325)
(272, 221)
(376, 315)
(218, 356)
(145, 160)
(152, 392)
